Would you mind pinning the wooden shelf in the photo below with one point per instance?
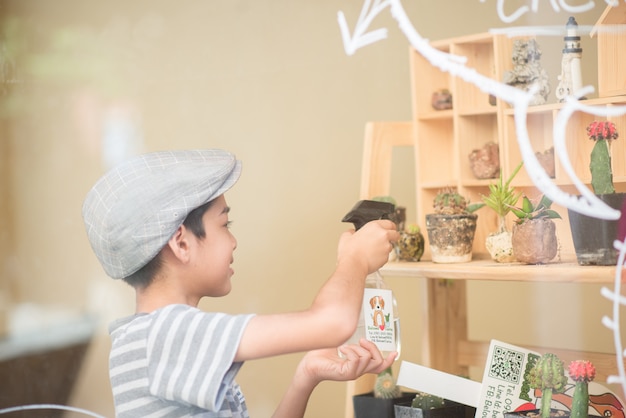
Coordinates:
(483, 268)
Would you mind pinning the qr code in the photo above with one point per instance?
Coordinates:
(506, 364)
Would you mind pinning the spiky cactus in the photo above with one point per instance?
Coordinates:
(547, 374)
(600, 165)
(426, 401)
(449, 202)
(385, 386)
(582, 372)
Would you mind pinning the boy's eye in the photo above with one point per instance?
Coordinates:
(228, 224)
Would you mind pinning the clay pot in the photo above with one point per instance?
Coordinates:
(485, 161)
(451, 237)
(534, 241)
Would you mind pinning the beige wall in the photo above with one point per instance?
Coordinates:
(268, 80)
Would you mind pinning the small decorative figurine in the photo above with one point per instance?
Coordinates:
(570, 80)
(527, 70)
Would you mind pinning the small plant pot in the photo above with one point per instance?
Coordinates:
(367, 406)
(450, 237)
(450, 410)
(500, 247)
(534, 241)
(593, 238)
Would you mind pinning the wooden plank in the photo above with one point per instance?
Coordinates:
(380, 139)
(483, 268)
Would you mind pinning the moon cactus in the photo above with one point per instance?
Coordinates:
(582, 372)
(547, 374)
(600, 165)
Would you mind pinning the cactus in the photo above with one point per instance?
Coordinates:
(548, 375)
(449, 202)
(385, 386)
(582, 372)
(600, 165)
(426, 401)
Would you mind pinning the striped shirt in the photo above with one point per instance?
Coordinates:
(176, 362)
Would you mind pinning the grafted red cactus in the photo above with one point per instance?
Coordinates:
(582, 372)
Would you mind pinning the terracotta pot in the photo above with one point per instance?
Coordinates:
(451, 237)
(534, 241)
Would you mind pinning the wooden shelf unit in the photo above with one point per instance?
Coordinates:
(442, 141)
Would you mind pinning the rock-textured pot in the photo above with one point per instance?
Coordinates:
(593, 238)
(534, 241)
(450, 237)
(500, 247)
(410, 246)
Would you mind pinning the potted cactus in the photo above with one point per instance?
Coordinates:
(451, 227)
(582, 372)
(500, 199)
(548, 375)
(593, 238)
(534, 238)
(380, 402)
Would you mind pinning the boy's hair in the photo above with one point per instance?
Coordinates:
(135, 208)
(145, 275)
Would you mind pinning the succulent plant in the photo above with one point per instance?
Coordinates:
(424, 400)
(582, 372)
(547, 374)
(502, 197)
(385, 386)
(529, 210)
(449, 202)
(600, 165)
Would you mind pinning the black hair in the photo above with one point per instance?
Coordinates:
(145, 275)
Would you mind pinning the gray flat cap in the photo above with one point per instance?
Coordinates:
(136, 207)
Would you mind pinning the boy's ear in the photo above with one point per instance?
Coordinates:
(179, 244)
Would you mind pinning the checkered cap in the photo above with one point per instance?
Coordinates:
(136, 207)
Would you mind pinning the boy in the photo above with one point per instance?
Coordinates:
(160, 223)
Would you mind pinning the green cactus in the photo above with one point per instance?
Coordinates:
(582, 372)
(427, 401)
(385, 386)
(449, 202)
(548, 375)
(600, 165)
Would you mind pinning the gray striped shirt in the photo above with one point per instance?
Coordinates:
(176, 362)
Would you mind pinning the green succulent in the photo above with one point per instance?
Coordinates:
(529, 210)
(502, 196)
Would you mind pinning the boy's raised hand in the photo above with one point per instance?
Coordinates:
(370, 245)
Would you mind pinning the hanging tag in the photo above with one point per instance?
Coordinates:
(378, 318)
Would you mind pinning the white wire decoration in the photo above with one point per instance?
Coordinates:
(587, 203)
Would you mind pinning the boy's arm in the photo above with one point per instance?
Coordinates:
(325, 364)
(333, 316)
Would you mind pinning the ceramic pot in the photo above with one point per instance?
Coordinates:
(534, 241)
(593, 238)
(500, 247)
(450, 237)
(449, 410)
